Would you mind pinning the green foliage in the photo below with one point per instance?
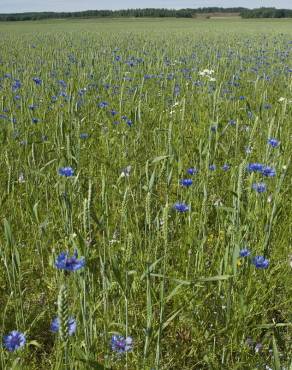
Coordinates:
(173, 282)
(266, 13)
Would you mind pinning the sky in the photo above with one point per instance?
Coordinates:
(18, 6)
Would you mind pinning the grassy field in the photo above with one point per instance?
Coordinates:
(158, 150)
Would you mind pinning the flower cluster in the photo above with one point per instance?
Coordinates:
(55, 325)
(260, 262)
(186, 182)
(262, 169)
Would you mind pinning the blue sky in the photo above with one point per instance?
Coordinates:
(7, 6)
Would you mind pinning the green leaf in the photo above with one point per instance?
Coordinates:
(34, 343)
(160, 158)
(190, 282)
(277, 364)
(216, 278)
(168, 321)
(174, 292)
(152, 179)
(150, 268)
(8, 233)
(117, 273)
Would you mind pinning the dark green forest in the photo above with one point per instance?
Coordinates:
(149, 12)
(266, 13)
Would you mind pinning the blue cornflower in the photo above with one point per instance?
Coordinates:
(84, 135)
(225, 167)
(212, 167)
(186, 182)
(214, 128)
(181, 207)
(62, 83)
(35, 120)
(176, 90)
(103, 104)
(129, 122)
(130, 63)
(37, 80)
(260, 262)
(259, 187)
(245, 252)
(232, 122)
(55, 325)
(255, 167)
(113, 112)
(14, 340)
(16, 85)
(192, 171)
(66, 171)
(64, 262)
(241, 97)
(116, 122)
(273, 142)
(269, 171)
(121, 344)
(82, 91)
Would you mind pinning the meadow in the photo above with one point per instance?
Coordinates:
(146, 194)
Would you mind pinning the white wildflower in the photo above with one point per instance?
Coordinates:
(126, 171)
(21, 178)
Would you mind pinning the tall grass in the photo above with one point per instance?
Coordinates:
(172, 281)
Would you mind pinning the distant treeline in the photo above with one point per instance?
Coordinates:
(266, 13)
(149, 12)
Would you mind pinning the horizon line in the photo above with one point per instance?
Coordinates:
(162, 8)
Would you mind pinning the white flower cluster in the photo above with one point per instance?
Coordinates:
(208, 74)
(282, 99)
